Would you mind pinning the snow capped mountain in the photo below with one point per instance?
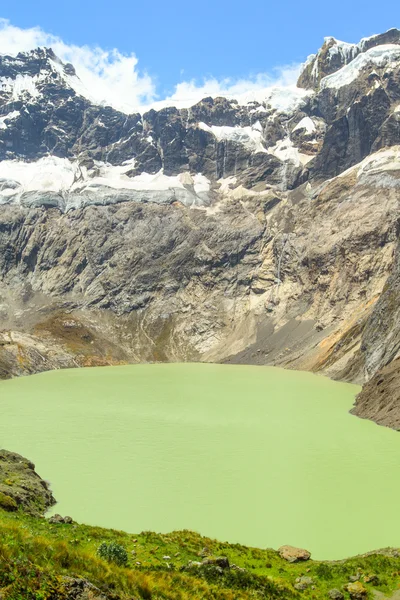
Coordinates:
(59, 148)
(257, 227)
(31, 73)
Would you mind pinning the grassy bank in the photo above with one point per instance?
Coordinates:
(37, 558)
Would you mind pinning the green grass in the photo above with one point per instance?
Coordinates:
(35, 556)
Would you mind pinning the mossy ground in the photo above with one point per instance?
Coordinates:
(35, 555)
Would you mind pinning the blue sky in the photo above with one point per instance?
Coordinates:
(180, 41)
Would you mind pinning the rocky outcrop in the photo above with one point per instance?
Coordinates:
(21, 487)
(380, 397)
(75, 588)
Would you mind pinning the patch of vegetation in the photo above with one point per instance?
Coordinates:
(7, 503)
(38, 559)
(113, 552)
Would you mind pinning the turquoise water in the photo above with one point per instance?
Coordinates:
(255, 455)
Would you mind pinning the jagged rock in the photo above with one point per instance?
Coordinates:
(292, 554)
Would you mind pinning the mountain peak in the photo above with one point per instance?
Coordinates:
(29, 73)
(335, 54)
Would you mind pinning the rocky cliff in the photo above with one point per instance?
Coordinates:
(258, 230)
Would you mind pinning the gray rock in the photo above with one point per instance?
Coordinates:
(58, 519)
(303, 583)
(219, 561)
(335, 594)
(81, 589)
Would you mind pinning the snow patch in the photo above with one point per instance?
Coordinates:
(47, 174)
(59, 182)
(285, 151)
(12, 115)
(385, 56)
(72, 81)
(20, 85)
(226, 184)
(347, 51)
(251, 137)
(383, 160)
(307, 123)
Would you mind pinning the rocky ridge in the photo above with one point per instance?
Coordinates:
(262, 231)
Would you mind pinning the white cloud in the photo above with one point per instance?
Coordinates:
(262, 87)
(113, 78)
(109, 76)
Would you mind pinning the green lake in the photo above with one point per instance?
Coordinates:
(255, 455)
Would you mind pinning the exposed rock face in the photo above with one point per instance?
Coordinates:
(260, 231)
(380, 397)
(380, 348)
(20, 482)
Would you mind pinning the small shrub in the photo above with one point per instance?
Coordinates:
(113, 552)
(323, 571)
(7, 502)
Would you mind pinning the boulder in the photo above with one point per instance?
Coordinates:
(58, 519)
(236, 568)
(219, 561)
(292, 554)
(356, 590)
(303, 583)
(335, 594)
